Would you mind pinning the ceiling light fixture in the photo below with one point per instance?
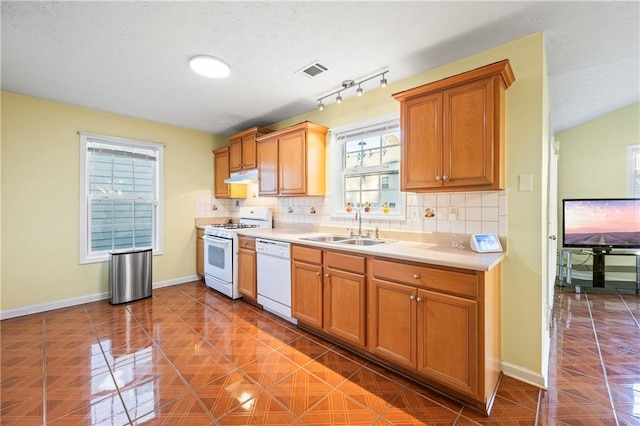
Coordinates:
(383, 81)
(346, 84)
(209, 66)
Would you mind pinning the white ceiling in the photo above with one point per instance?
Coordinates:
(131, 58)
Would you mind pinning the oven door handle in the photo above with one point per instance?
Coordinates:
(223, 242)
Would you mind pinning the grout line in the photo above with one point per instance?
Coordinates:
(44, 370)
(604, 370)
(629, 309)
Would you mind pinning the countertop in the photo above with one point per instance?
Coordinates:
(435, 253)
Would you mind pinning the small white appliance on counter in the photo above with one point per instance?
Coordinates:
(221, 249)
(273, 260)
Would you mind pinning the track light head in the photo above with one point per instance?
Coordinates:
(359, 92)
(320, 106)
(383, 81)
(339, 99)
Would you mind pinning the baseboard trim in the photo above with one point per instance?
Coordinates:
(524, 375)
(43, 307)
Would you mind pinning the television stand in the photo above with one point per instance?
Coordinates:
(598, 266)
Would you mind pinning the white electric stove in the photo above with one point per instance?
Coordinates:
(221, 249)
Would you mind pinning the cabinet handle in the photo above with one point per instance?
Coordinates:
(438, 178)
(416, 276)
(412, 297)
(419, 299)
(445, 177)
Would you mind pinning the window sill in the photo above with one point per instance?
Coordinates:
(369, 216)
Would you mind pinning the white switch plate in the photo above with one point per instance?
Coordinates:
(525, 182)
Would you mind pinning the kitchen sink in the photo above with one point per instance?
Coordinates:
(326, 238)
(362, 242)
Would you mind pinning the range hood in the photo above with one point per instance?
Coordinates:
(248, 176)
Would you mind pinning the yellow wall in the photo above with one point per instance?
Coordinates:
(593, 156)
(524, 276)
(40, 202)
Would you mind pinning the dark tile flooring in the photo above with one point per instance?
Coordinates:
(188, 356)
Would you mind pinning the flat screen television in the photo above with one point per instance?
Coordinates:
(601, 224)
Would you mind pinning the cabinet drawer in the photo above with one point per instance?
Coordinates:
(248, 243)
(307, 254)
(345, 262)
(422, 276)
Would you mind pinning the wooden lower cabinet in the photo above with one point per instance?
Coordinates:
(448, 340)
(247, 283)
(394, 324)
(439, 325)
(344, 305)
(199, 253)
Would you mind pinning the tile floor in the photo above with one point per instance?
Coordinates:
(190, 356)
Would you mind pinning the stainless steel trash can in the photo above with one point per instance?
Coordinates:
(129, 275)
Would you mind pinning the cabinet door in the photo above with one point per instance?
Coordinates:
(469, 134)
(247, 273)
(235, 155)
(292, 172)
(344, 305)
(448, 340)
(249, 156)
(268, 165)
(200, 253)
(422, 142)
(306, 293)
(393, 322)
(221, 172)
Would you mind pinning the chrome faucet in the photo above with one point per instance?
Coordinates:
(359, 219)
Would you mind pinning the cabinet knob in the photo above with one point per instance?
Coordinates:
(552, 237)
(244, 243)
(438, 178)
(416, 276)
(419, 299)
(326, 275)
(412, 297)
(318, 273)
(445, 177)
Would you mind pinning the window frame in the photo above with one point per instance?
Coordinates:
(337, 169)
(633, 155)
(86, 255)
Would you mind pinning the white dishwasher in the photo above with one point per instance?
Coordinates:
(274, 277)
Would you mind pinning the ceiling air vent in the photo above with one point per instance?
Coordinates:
(313, 69)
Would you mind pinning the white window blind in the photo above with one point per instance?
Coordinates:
(121, 197)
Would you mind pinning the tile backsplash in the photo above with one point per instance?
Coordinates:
(474, 212)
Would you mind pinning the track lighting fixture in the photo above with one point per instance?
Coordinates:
(347, 84)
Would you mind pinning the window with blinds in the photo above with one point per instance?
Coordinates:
(369, 157)
(121, 195)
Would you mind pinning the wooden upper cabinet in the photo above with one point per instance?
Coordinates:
(292, 161)
(453, 131)
(221, 172)
(242, 149)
